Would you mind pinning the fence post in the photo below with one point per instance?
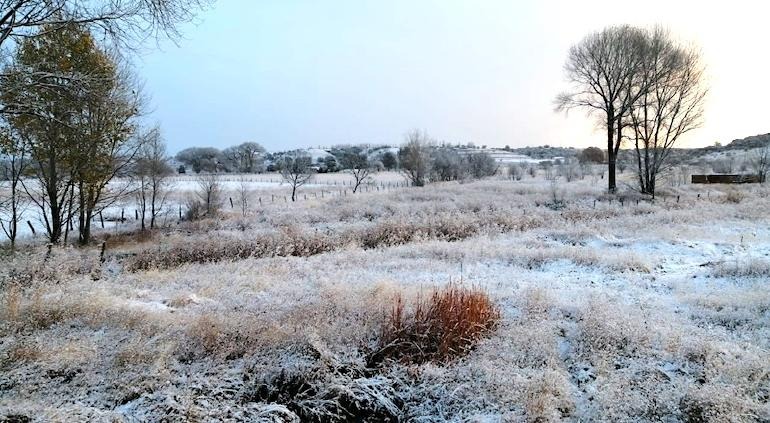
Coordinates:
(32, 228)
(231, 202)
(101, 218)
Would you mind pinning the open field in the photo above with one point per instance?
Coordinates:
(261, 189)
(608, 310)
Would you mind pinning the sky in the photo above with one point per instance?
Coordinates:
(307, 73)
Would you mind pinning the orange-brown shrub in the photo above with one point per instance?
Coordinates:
(446, 325)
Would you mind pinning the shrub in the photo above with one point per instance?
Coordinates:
(194, 209)
(734, 196)
(446, 325)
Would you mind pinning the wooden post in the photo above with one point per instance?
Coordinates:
(677, 198)
(180, 212)
(101, 218)
(122, 215)
(136, 214)
(231, 202)
(31, 228)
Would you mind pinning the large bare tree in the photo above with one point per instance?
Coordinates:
(603, 70)
(670, 106)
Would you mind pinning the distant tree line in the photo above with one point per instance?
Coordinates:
(422, 160)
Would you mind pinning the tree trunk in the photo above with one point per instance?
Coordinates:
(611, 155)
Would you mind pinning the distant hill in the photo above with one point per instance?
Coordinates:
(755, 141)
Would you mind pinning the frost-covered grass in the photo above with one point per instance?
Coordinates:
(650, 312)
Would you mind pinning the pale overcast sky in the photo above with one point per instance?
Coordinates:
(299, 73)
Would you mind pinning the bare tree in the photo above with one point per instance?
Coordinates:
(13, 162)
(547, 167)
(532, 170)
(759, 162)
(359, 166)
(152, 171)
(569, 170)
(119, 21)
(209, 193)
(414, 158)
(670, 108)
(243, 195)
(515, 171)
(604, 71)
(296, 170)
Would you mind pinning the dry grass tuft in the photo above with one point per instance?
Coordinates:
(446, 325)
(743, 268)
(734, 196)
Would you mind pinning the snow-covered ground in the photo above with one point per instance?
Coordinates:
(610, 311)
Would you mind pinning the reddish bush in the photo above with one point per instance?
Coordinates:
(446, 325)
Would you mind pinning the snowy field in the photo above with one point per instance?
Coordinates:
(263, 189)
(609, 310)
